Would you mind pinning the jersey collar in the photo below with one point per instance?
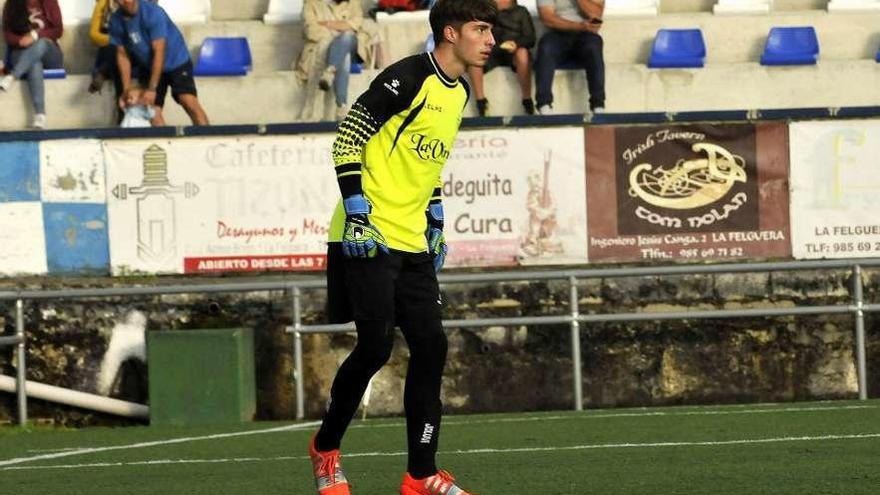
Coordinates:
(440, 74)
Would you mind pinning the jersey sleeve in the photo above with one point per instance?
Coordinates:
(390, 93)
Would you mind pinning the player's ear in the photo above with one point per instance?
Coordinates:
(450, 34)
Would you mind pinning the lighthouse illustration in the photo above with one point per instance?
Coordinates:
(156, 208)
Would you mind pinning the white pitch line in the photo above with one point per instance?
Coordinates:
(646, 413)
(93, 450)
(861, 436)
(624, 415)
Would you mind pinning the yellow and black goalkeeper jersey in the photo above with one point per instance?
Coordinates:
(396, 139)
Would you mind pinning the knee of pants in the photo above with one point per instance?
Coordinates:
(546, 50)
(347, 37)
(373, 354)
(431, 341)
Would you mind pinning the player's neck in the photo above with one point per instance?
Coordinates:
(452, 66)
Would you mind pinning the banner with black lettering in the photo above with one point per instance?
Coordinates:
(516, 197)
(687, 192)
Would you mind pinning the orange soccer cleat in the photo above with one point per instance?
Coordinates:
(329, 477)
(441, 483)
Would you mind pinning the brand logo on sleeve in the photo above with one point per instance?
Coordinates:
(393, 86)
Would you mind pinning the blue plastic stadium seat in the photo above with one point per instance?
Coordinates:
(224, 57)
(678, 48)
(54, 74)
(791, 46)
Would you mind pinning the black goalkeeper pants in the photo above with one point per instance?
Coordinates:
(396, 288)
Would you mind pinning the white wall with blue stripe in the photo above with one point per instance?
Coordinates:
(53, 211)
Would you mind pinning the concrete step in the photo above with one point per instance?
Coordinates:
(277, 97)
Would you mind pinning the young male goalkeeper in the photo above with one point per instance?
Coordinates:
(386, 238)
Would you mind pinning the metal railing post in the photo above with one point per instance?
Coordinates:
(576, 346)
(297, 354)
(21, 364)
(858, 299)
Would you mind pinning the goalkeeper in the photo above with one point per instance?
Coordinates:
(386, 238)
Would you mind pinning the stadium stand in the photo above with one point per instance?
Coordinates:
(731, 79)
(281, 11)
(187, 11)
(678, 48)
(631, 8)
(76, 12)
(742, 7)
(224, 57)
(796, 45)
(853, 5)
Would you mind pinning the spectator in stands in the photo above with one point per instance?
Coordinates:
(150, 49)
(105, 61)
(572, 35)
(31, 29)
(335, 31)
(514, 35)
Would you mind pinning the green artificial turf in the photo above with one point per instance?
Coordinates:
(804, 448)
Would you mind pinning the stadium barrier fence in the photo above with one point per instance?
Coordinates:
(294, 288)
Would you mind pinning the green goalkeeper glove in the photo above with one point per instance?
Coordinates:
(360, 239)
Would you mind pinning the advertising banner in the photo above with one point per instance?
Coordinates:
(687, 192)
(218, 205)
(835, 189)
(516, 197)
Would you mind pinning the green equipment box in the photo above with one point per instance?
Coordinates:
(201, 377)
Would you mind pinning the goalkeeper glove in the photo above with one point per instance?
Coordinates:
(360, 238)
(436, 240)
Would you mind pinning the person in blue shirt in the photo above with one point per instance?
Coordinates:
(151, 50)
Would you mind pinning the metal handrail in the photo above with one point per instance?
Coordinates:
(295, 287)
(574, 318)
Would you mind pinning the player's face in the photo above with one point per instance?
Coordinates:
(475, 43)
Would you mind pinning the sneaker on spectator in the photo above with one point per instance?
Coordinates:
(39, 121)
(599, 110)
(546, 110)
(326, 80)
(6, 82)
(482, 107)
(341, 112)
(528, 106)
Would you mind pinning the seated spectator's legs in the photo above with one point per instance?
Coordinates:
(522, 63)
(104, 69)
(29, 62)
(339, 56)
(552, 49)
(475, 74)
(589, 47)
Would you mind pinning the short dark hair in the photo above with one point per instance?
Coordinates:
(458, 12)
